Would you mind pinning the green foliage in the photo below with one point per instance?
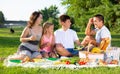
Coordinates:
(50, 14)
(55, 22)
(10, 42)
(2, 19)
(82, 10)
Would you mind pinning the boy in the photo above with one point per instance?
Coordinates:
(65, 38)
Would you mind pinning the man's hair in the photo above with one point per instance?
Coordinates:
(63, 18)
(100, 17)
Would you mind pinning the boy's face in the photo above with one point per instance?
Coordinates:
(66, 24)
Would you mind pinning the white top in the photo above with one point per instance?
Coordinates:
(102, 33)
(67, 38)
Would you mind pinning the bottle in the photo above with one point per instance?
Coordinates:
(109, 59)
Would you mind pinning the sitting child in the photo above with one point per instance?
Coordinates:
(47, 41)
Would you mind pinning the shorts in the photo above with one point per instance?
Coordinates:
(26, 51)
(72, 51)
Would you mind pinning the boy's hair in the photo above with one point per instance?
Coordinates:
(100, 17)
(63, 18)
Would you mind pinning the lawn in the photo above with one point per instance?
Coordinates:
(10, 42)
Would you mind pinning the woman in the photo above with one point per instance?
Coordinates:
(30, 38)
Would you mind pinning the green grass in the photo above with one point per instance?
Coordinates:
(10, 42)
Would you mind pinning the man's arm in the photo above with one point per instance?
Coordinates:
(88, 30)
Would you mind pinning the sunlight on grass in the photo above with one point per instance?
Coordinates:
(10, 42)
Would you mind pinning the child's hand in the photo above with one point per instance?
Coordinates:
(48, 44)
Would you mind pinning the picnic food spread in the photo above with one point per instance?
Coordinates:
(85, 59)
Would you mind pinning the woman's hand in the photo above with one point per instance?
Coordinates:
(32, 38)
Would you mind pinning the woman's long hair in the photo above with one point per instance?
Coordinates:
(33, 18)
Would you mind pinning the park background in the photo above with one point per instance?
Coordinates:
(80, 12)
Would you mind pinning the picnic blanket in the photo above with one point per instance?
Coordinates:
(56, 64)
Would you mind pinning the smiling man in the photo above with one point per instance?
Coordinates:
(101, 32)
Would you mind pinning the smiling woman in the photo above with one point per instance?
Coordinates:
(16, 11)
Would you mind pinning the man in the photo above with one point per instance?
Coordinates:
(65, 38)
(101, 32)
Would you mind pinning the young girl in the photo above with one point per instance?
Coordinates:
(47, 40)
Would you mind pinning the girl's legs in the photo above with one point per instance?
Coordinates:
(53, 55)
(45, 55)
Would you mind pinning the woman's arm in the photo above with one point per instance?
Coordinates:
(25, 33)
(23, 37)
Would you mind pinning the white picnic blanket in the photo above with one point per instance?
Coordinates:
(45, 63)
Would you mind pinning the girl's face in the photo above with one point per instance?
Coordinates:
(39, 19)
(50, 29)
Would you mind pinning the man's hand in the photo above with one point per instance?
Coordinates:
(88, 30)
(90, 21)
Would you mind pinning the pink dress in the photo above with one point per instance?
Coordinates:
(47, 40)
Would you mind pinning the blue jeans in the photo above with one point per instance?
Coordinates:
(72, 51)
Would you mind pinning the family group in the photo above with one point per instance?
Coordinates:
(41, 41)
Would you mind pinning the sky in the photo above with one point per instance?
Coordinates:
(22, 9)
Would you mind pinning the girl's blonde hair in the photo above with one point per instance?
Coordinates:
(46, 25)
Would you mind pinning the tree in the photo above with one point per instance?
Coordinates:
(50, 14)
(82, 10)
(2, 19)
